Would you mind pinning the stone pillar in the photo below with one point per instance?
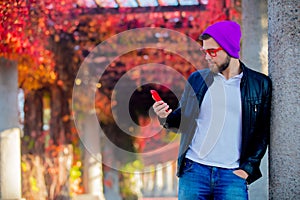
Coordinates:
(158, 180)
(284, 62)
(255, 34)
(148, 181)
(8, 94)
(10, 155)
(93, 176)
(255, 55)
(169, 178)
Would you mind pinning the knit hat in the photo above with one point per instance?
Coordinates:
(227, 34)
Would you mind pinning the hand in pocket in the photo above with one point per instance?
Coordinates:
(241, 173)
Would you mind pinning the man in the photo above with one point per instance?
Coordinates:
(224, 120)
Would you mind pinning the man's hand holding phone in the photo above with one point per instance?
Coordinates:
(160, 107)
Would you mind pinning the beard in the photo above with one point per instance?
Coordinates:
(220, 68)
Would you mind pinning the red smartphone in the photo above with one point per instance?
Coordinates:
(155, 95)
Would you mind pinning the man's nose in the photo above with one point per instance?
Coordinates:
(207, 56)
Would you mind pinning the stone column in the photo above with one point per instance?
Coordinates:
(169, 178)
(148, 181)
(255, 55)
(284, 62)
(158, 180)
(93, 175)
(255, 34)
(10, 155)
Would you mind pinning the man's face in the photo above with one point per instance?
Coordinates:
(218, 61)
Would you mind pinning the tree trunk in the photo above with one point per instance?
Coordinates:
(60, 122)
(61, 91)
(56, 130)
(33, 141)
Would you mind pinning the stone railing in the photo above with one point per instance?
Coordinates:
(158, 181)
(158, 178)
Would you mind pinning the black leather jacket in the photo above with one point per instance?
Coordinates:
(256, 92)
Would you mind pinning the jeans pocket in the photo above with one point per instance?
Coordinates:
(187, 165)
(238, 177)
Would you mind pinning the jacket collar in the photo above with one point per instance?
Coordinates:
(245, 73)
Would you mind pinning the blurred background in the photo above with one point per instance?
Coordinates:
(45, 42)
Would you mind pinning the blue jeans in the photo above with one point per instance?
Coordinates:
(205, 182)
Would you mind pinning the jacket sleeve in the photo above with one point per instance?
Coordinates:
(258, 144)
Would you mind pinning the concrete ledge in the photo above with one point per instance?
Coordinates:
(86, 197)
(13, 199)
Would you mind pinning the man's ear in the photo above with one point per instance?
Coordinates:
(200, 42)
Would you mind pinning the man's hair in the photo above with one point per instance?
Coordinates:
(204, 36)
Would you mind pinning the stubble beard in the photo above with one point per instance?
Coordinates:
(220, 68)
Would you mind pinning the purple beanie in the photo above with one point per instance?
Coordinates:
(227, 34)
